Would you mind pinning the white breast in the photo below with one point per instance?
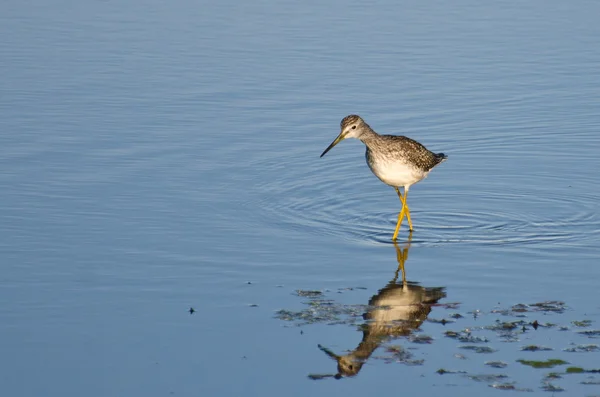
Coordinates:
(397, 174)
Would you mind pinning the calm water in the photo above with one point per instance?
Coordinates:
(158, 156)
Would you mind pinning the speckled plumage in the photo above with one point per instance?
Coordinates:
(389, 149)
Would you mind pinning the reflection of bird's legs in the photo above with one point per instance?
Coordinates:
(402, 256)
(400, 266)
(405, 211)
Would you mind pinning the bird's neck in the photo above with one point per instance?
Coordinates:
(368, 135)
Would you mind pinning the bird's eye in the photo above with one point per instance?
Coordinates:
(353, 127)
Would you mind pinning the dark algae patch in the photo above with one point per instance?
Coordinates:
(575, 370)
(535, 348)
(551, 363)
(549, 306)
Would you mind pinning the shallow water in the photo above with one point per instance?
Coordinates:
(158, 157)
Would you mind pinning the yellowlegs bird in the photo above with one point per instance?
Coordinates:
(397, 161)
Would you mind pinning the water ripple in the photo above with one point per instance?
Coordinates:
(539, 210)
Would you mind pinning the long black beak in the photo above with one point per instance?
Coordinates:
(329, 352)
(335, 142)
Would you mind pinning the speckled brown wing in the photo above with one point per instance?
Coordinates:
(414, 152)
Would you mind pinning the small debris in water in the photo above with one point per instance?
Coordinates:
(397, 354)
(451, 334)
(460, 356)
(323, 376)
(547, 386)
(453, 305)
(351, 288)
(395, 349)
(582, 323)
(443, 371)
(591, 333)
(253, 305)
(552, 376)
(487, 378)
(496, 364)
(468, 338)
(421, 339)
(582, 348)
(503, 386)
(478, 349)
(442, 321)
(308, 293)
(505, 326)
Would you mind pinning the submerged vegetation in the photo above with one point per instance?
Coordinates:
(396, 315)
(551, 363)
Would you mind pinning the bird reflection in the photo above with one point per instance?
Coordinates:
(395, 311)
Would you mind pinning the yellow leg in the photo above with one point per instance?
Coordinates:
(410, 228)
(400, 217)
(405, 211)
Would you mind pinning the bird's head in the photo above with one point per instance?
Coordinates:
(347, 365)
(351, 127)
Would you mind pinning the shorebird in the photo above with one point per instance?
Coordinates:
(397, 161)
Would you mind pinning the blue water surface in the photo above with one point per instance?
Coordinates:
(161, 156)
